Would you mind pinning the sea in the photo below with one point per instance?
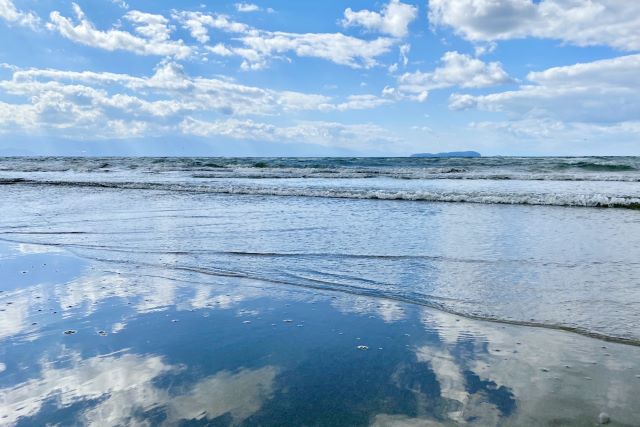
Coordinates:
(319, 291)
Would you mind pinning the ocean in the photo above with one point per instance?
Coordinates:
(465, 290)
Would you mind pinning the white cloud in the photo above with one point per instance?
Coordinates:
(532, 127)
(121, 3)
(247, 7)
(599, 91)
(590, 101)
(11, 14)
(613, 23)
(153, 27)
(150, 26)
(404, 54)
(456, 70)
(198, 23)
(109, 105)
(335, 47)
(394, 19)
(311, 132)
(257, 47)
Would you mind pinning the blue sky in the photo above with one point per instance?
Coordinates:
(274, 77)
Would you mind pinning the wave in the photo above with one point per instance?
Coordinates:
(481, 197)
(598, 167)
(447, 174)
(445, 304)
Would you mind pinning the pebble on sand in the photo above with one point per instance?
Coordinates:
(603, 418)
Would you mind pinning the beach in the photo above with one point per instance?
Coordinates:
(384, 292)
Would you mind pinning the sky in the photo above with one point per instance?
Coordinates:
(319, 78)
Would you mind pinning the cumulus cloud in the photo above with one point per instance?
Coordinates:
(455, 70)
(12, 15)
(335, 47)
(150, 34)
(258, 47)
(600, 99)
(599, 91)
(584, 23)
(153, 28)
(393, 19)
(198, 24)
(110, 105)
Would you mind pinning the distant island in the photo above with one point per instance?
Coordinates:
(449, 154)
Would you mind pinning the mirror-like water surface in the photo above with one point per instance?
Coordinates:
(164, 302)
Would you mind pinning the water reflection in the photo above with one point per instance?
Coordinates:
(183, 348)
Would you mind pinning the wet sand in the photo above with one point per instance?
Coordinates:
(91, 342)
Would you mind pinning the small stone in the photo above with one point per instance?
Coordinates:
(363, 347)
(604, 418)
(70, 332)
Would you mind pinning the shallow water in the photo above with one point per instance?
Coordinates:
(186, 265)
(105, 344)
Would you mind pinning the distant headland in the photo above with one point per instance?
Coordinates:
(449, 154)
